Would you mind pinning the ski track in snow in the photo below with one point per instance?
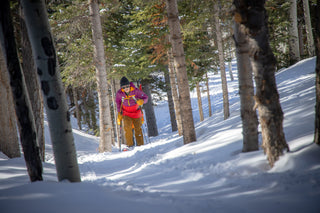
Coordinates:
(209, 175)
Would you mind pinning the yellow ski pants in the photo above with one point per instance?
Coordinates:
(128, 124)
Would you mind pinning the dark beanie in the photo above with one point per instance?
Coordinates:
(124, 81)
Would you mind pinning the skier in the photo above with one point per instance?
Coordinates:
(129, 100)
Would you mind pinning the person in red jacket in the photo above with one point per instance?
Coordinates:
(129, 100)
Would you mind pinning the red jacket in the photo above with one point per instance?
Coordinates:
(129, 106)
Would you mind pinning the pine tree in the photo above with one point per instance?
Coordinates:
(70, 23)
(101, 75)
(9, 142)
(226, 111)
(32, 83)
(248, 113)
(173, 118)
(279, 23)
(293, 32)
(251, 15)
(189, 134)
(307, 19)
(175, 96)
(148, 107)
(208, 95)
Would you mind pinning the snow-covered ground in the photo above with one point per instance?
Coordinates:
(210, 175)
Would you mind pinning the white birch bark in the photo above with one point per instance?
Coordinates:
(52, 89)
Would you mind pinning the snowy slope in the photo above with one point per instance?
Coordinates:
(210, 175)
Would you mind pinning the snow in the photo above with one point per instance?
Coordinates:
(209, 175)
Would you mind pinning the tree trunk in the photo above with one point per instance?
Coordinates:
(122, 136)
(189, 133)
(101, 75)
(199, 102)
(148, 108)
(230, 70)
(173, 120)
(9, 142)
(221, 61)
(317, 42)
(307, 21)
(246, 91)
(115, 113)
(208, 95)
(175, 96)
(75, 100)
(300, 33)
(27, 129)
(252, 16)
(293, 33)
(53, 93)
(30, 75)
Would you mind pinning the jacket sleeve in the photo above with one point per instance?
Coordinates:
(142, 95)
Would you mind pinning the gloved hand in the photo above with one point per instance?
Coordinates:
(140, 102)
(119, 118)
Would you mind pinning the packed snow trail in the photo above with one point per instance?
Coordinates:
(209, 175)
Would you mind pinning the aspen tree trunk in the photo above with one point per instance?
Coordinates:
(34, 91)
(252, 16)
(307, 21)
(246, 91)
(189, 133)
(294, 50)
(148, 108)
(300, 39)
(208, 95)
(317, 108)
(101, 75)
(221, 61)
(173, 120)
(175, 96)
(9, 142)
(115, 114)
(75, 100)
(28, 134)
(53, 93)
(199, 102)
